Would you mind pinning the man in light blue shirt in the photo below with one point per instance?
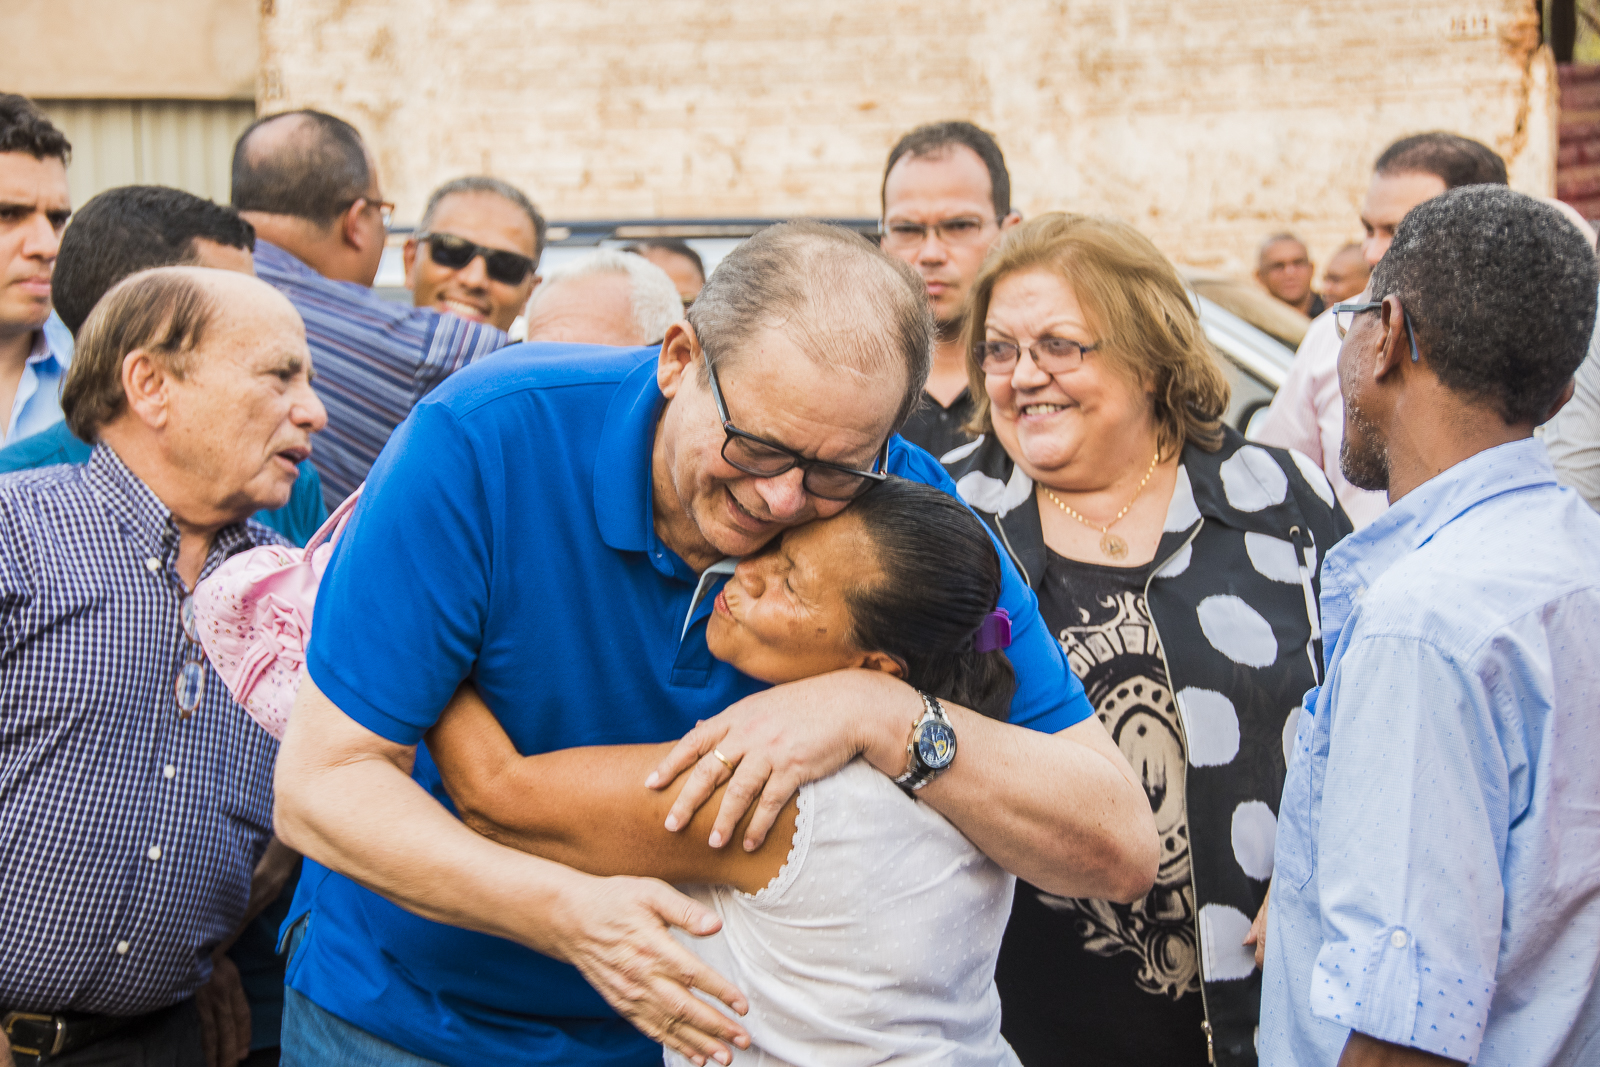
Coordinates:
(1437, 888)
(35, 348)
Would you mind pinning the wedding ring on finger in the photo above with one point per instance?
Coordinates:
(724, 760)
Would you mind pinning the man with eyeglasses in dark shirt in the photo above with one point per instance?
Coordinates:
(476, 252)
(946, 198)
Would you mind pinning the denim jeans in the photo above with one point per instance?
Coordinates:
(313, 1037)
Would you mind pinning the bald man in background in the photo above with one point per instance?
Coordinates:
(308, 185)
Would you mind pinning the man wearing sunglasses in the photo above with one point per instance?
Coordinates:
(307, 183)
(476, 251)
(557, 525)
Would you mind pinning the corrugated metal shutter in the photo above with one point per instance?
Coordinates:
(183, 143)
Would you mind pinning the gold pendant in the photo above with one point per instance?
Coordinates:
(1113, 546)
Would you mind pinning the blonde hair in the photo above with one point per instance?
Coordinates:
(1133, 298)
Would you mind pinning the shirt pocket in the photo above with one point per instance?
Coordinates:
(1295, 859)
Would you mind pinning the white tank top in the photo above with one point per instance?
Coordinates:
(876, 943)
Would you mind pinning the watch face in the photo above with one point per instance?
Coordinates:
(936, 745)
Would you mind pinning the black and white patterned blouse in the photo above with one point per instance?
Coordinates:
(1230, 603)
(129, 834)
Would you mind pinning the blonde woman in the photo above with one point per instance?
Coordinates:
(1176, 564)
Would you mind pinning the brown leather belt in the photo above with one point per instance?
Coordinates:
(43, 1037)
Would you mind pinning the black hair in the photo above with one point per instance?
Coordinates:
(123, 231)
(936, 137)
(24, 128)
(1453, 159)
(669, 244)
(315, 172)
(941, 579)
(1500, 290)
(484, 184)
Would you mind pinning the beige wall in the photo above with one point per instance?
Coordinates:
(1208, 123)
(131, 49)
(184, 143)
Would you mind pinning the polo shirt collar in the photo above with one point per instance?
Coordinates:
(622, 489)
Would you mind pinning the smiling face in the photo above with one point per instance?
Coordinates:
(490, 221)
(241, 418)
(705, 508)
(34, 205)
(1056, 426)
(783, 614)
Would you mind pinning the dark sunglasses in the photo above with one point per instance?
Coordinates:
(453, 253)
(764, 459)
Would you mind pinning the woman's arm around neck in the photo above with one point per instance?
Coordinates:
(586, 807)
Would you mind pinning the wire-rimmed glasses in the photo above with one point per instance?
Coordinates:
(903, 234)
(190, 684)
(1053, 355)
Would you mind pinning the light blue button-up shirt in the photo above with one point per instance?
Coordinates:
(37, 405)
(1438, 854)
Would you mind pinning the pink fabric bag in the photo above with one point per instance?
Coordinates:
(254, 618)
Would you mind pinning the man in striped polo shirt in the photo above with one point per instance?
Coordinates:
(307, 183)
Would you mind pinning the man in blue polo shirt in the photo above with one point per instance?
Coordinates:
(546, 524)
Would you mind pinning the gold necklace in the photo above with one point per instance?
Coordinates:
(1110, 544)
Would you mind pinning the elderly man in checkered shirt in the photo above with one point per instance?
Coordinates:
(135, 795)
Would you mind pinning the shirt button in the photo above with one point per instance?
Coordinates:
(155, 852)
(1398, 939)
(170, 771)
(122, 948)
(152, 564)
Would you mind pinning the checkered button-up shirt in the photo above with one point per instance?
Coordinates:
(374, 359)
(127, 835)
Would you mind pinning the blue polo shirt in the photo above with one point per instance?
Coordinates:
(505, 535)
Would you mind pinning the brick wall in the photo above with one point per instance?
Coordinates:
(1208, 123)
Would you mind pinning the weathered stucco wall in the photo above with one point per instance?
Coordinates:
(1208, 123)
(121, 50)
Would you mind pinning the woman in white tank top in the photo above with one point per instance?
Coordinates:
(865, 929)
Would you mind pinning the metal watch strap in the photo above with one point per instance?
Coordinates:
(917, 773)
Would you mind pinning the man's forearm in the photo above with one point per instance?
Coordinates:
(1363, 1051)
(1062, 811)
(364, 817)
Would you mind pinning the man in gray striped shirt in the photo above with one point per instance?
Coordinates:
(307, 183)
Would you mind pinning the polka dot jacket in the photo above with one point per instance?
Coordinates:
(1233, 595)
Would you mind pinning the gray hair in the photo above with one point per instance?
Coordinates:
(480, 184)
(832, 292)
(656, 303)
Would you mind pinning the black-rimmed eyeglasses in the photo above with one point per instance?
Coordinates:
(1344, 316)
(764, 459)
(454, 253)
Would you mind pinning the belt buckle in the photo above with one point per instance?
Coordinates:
(14, 1017)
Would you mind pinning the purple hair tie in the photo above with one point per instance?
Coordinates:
(994, 632)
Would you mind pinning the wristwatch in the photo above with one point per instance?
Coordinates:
(932, 747)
